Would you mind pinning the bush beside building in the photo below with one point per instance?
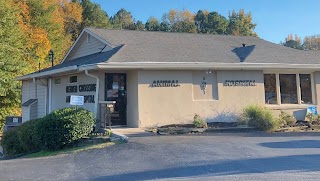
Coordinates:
(52, 132)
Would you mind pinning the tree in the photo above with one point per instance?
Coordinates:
(180, 21)
(93, 15)
(201, 21)
(312, 42)
(12, 64)
(241, 24)
(139, 26)
(293, 42)
(152, 24)
(122, 20)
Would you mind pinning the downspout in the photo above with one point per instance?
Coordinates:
(36, 87)
(96, 98)
(50, 95)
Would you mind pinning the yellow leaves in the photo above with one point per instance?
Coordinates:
(72, 11)
(41, 44)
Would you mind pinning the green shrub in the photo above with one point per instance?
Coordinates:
(260, 117)
(22, 139)
(55, 130)
(287, 119)
(64, 126)
(199, 122)
(11, 143)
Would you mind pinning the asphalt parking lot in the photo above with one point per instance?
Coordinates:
(219, 156)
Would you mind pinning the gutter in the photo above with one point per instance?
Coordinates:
(96, 98)
(47, 73)
(197, 66)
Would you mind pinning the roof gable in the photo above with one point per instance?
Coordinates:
(86, 44)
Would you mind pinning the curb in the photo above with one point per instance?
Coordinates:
(117, 136)
(231, 129)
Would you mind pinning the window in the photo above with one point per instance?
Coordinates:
(73, 79)
(305, 86)
(270, 90)
(57, 81)
(289, 88)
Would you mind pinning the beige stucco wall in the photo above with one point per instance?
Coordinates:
(132, 99)
(172, 105)
(151, 106)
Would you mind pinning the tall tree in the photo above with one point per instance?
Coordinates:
(293, 42)
(201, 21)
(180, 21)
(122, 20)
(241, 24)
(139, 26)
(93, 15)
(312, 42)
(12, 56)
(152, 24)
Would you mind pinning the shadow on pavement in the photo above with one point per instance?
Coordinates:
(293, 144)
(299, 163)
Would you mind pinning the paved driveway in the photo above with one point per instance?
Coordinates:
(239, 156)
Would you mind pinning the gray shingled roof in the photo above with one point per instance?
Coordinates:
(162, 47)
(147, 46)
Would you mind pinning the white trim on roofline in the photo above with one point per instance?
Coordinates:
(79, 37)
(175, 66)
(48, 73)
(199, 65)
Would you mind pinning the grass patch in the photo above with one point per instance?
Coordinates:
(83, 145)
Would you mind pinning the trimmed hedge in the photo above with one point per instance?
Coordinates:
(260, 117)
(51, 132)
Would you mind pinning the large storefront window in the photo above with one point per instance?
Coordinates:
(270, 90)
(305, 85)
(287, 88)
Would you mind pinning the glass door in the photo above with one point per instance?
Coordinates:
(115, 90)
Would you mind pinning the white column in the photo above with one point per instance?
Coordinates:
(298, 88)
(278, 89)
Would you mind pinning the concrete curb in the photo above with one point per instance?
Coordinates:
(117, 136)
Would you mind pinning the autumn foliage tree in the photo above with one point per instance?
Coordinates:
(29, 29)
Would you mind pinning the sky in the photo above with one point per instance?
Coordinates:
(275, 19)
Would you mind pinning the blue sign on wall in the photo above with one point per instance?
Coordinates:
(312, 110)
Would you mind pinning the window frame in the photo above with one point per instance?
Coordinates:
(57, 81)
(277, 74)
(70, 79)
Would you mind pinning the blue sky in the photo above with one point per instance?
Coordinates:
(275, 19)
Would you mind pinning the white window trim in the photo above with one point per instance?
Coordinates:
(298, 89)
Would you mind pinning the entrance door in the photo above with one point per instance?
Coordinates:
(115, 90)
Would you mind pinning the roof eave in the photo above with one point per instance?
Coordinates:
(201, 65)
(48, 73)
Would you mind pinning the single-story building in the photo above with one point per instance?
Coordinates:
(159, 78)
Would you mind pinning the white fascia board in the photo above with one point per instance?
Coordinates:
(48, 73)
(199, 65)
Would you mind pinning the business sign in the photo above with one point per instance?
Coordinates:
(313, 110)
(240, 83)
(76, 100)
(165, 83)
